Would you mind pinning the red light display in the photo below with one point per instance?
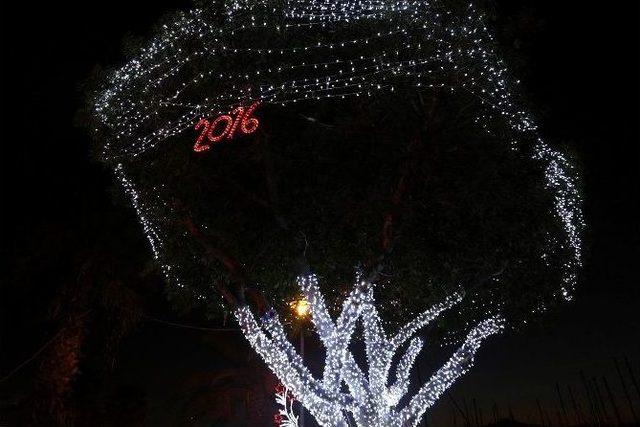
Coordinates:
(225, 127)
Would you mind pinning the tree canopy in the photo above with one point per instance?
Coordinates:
(426, 181)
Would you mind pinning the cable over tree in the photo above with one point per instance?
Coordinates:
(266, 144)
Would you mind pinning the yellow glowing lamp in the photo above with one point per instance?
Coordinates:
(300, 308)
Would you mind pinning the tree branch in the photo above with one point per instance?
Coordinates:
(234, 297)
(402, 187)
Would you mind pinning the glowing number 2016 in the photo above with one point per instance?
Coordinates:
(225, 126)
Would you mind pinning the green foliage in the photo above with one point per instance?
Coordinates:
(319, 178)
(476, 213)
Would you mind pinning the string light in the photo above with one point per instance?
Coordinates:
(285, 416)
(244, 119)
(153, 232)
(195, 70)
(371, 400)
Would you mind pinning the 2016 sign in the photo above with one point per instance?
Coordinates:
(225, 127)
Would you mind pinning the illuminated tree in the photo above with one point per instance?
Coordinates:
(256, 138)
(373, 398)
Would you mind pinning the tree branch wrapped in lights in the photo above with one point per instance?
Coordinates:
(371, 399)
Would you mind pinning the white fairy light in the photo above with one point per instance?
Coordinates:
(152, 231)
(371, 399)
(351, 48)
(286, 416)
(156, 96)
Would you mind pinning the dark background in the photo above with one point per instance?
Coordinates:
(579, 66)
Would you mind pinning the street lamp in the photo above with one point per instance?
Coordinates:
(300, 309)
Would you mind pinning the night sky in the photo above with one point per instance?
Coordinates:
(580, 66)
